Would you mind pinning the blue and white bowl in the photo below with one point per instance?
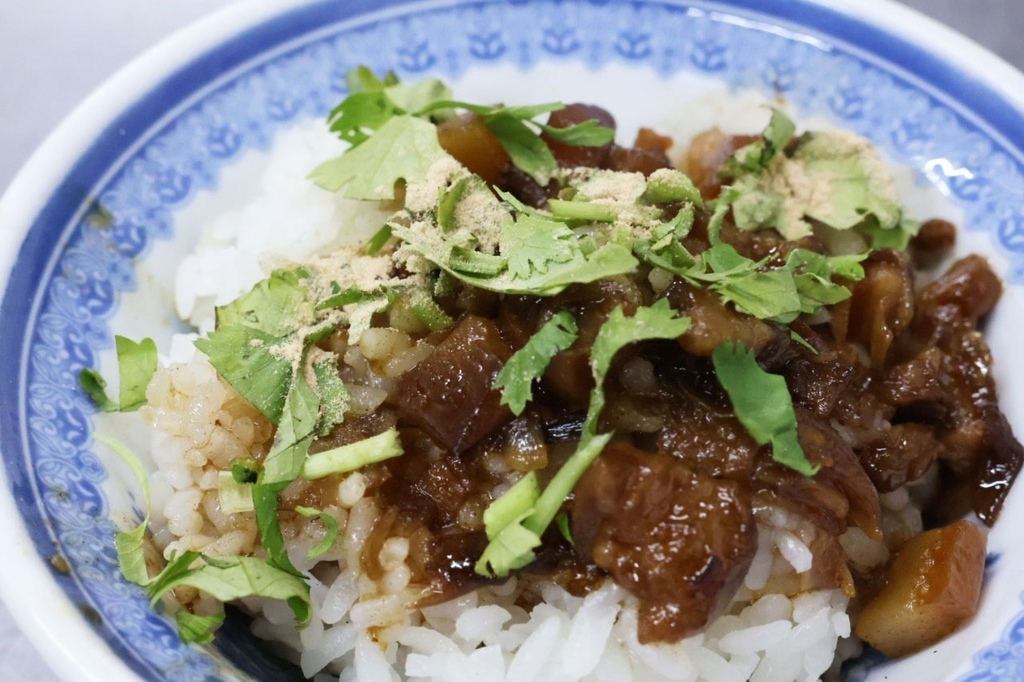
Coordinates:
(91, 229)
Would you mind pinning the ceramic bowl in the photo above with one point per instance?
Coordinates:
(92, 228)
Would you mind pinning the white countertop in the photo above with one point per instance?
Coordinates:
(55, 52)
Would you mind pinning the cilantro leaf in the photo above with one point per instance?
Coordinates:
(780, 293)
(412, 98)
(360, 114)
(765, 294)
(754, 157)
(362, 79)
(334, 396)
(229, 578)
(837, 179)
(528, 262)
(892, 238)
(589, 133)
(136, 365)
(95, 386)
(265, 500)
(277, 305)
(762, 404)
(813, 277)
(294, 434)
(523, 145)
(243, 357)
(372, 102)
(179, 565)
(404, 148)
(534, 244)
(515, 380)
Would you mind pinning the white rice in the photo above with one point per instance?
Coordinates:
(367, 630)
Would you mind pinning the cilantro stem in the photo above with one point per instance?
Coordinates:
(353, 456)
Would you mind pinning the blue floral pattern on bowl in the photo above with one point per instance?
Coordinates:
(131, 208)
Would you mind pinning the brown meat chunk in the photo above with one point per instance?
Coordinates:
(881, 306)
(450, 558)
(679, 540)
(918, 382)
(969, 285)
(569, 374)
(839, 493)
(709, 440)
(1000, 463)
(900, 455)
(969, 394)
(573, 156)
(706, 153)
(469, 140)
(935, 235)
(713, 323)
(449, 394)
(635, 160)
(818, 381)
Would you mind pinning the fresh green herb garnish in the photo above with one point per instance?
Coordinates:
(345, 458)
(428, 311)
(330, 525)
(234, 497)
(754, 157)
(519, 134)
(193, 629)
(131, 557)
(562, 521)
(404, 148)
(529, 362)
(779, 293)
(892, 238)
(389, 124)
(266, 502)
(245, 470)
(512, 546)
(136, 365)
(243, 357)
(762, 404)
(536, 254)
(224, 578)
(294, 435)
(836, 179)
(230, 578)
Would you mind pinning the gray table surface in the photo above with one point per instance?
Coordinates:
(55, 52)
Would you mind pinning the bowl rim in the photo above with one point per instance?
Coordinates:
(37, 603)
